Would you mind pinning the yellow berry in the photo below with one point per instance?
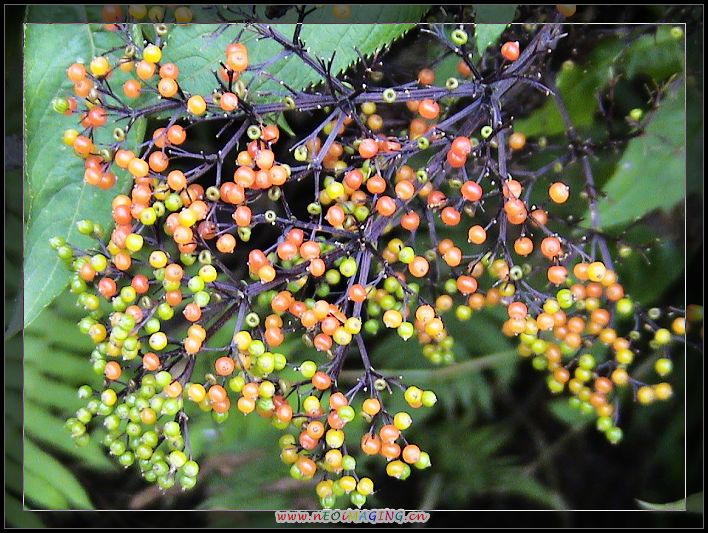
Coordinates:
(196, 105)
(100, 66)
(152, 54)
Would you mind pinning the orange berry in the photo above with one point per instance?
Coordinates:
(559, 192)
(510, 50)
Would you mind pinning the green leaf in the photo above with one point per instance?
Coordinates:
(578, 85)
(282, 123)
(16, 515)
(55, 195)
(42, 494)
(658, 55)
(49, 392)
(488, 13)
(197, 49)
(55, 475)
(486, 35)
(693, 504)
(651, 174)
(64, 13)
(646, 278)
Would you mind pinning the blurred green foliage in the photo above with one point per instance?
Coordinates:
(493, 435)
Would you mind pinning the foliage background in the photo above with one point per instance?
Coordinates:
(498, 441)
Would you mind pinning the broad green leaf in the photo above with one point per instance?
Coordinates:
(651, 174)
(55, 475)
(198, 49)
(657, 55)
(647, 277)
(578, 85)
(491, 21)
(486, 35)
(64, 13)
(56, 196)
(489, 13)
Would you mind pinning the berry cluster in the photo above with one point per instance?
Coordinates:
(188, 257)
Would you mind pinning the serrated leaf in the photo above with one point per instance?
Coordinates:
(651, 174)
(55, 475)
(198, 50)
(56, 196)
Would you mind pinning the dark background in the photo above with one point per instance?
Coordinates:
(585, 465)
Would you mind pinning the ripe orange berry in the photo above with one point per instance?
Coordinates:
(196, 105)
(321, 381)
(176, 134)
(411, 453)
(517, 140)
(370, 444)
(389, 433)
(158, 161)
(226, 243)
(455, 159)
(145, 70)
(429, 109)
(167, 87)
(471, 191)
(517, 310)
(228, 102)
(112, 370)
(557, 274)
(551, 247)
(510, 50)
(410, 221)
(386, 206)
(419, 267)
(461, 145)
(477, 234)
(224, 366)
(466, 284)
(169, 70)
(371, 406)
(559, 192)
(426, 76)
(523, 246)
(76, 72)
(335, 216)
(368, 148)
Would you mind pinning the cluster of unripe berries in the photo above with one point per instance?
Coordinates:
(365, 260)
